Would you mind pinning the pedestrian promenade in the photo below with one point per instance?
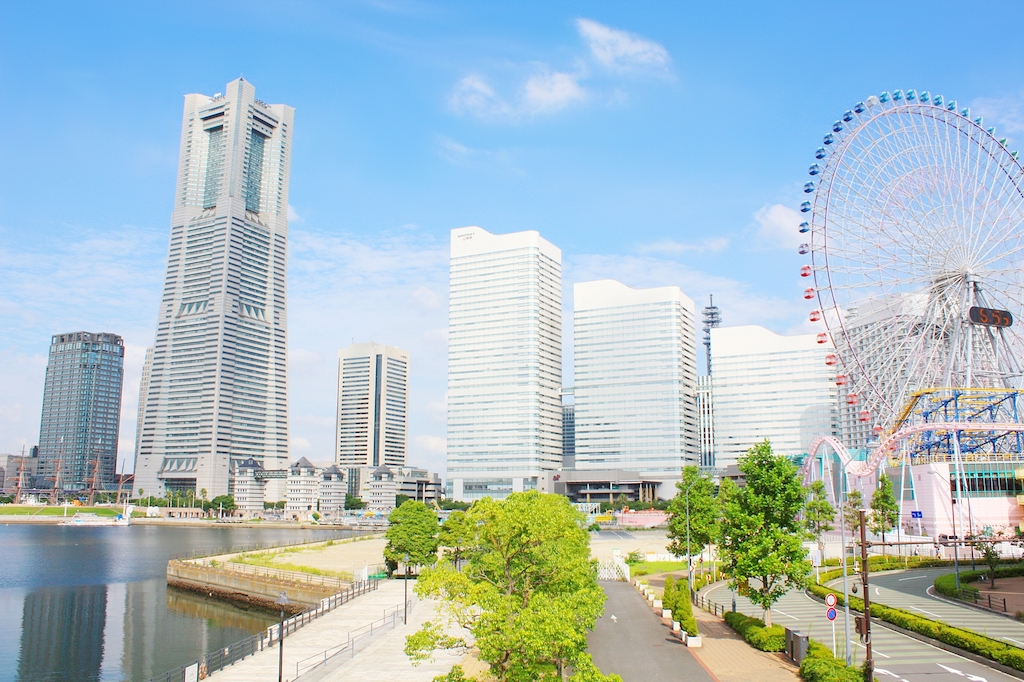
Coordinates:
(729, 657)
(379, 657)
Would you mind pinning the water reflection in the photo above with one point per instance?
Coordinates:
(94, 605)
(62, 634)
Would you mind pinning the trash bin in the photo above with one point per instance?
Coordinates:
(796, 645)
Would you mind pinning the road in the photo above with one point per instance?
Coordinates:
(631, 641)
(897, 656)
(913, 591)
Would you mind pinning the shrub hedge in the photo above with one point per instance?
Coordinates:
(821, 666)
(946, 584)
(967, 640)
(885, 563)
(757, 635)
(677, 598)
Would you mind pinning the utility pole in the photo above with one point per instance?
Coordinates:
(869, 662)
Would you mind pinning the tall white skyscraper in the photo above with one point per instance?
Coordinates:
(147, 368)
(770, 386)
(636, 378)
(218, 390)
(504, 362)
(373, 406)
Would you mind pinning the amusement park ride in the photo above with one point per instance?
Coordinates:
(914, 234)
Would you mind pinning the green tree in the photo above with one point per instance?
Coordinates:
(413, 531)
(526, 597)
(454, 504)
(761, 535)
(819, 515)
(703, 517)
(851, 511)
(228, 502)
(353, 502)
(456, 537)
(400, 499)
(885, 511)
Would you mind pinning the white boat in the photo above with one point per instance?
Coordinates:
(90, 519)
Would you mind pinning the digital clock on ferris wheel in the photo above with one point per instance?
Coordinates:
(991, 317)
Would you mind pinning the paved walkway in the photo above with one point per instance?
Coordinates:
(631, 641)
(897, 656)
(379, 658)
(729, 657)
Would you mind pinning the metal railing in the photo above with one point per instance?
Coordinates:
(312, 664)
(708, 605)
(977, 596)
(229, 655)
(300, 577)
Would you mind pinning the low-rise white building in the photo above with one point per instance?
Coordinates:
(248, 486)
(333, 488)
(380, 486)
(303, 488)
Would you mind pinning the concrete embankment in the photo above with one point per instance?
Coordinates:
(252, 586)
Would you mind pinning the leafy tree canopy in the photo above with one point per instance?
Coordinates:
(885, 511)
(851, 510)
(703, 514)
(353, 502)
(819, 514)
(527, 595)
(413, 531)
(761, 536)
(227, 500)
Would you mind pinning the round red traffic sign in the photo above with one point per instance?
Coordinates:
(831, 613)
(830, 600)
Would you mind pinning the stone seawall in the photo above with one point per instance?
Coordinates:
(244, 588)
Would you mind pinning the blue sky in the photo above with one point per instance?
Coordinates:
(655, 143)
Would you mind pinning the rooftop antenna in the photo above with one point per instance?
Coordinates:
(712, 318)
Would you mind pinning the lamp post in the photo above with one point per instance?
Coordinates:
(282, 601)
(689, 559)
(405, 603)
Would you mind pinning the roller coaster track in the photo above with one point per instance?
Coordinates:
(888, 446)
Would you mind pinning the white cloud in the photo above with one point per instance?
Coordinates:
(621, 51)
(293, 216)
(544, 92)
(550, 91)
(1007, 113)
(435, 445)
(298, 444)
(671, 247)
(426, 297)
(474, 96)
(779, 225)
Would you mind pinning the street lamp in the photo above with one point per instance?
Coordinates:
(405, 603)
(689, 558)
(283, 602)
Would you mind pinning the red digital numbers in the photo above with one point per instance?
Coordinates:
(991, 317)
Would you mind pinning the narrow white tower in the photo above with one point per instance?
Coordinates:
(504, 362)
(218, 389)
(373, 406)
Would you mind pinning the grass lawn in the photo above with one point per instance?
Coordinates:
(279, 560)
(652, 567)
(23, 510)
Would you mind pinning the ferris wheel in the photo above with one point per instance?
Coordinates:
(915, 229)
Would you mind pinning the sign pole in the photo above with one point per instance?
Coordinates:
(834, 637)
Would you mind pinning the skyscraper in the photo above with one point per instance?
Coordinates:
(770, 386)
(504, 362)
(373, 406)
(218, 390)
(636, 375)
(81, 411)
(147, 368)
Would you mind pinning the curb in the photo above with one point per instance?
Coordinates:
(987, 662)
(968, 604)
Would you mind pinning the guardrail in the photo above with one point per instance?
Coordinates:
(708, 605)
(312, 664)
(229, 655)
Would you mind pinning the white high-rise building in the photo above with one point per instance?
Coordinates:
(373, 407)
(636, 378)
(504, 362)
(706, 421)
(770, 386)
(218, 390)
(147, 368)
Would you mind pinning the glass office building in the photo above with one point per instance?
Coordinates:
(504, 362)
(81, 416)
(218, 385)
(770, 386)
(635, 378)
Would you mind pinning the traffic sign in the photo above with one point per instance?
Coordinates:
(917, 515)
(831, 613)
(830, 600)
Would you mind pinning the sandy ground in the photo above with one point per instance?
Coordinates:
(604, 543)
(1010, 589)
(345, 556)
